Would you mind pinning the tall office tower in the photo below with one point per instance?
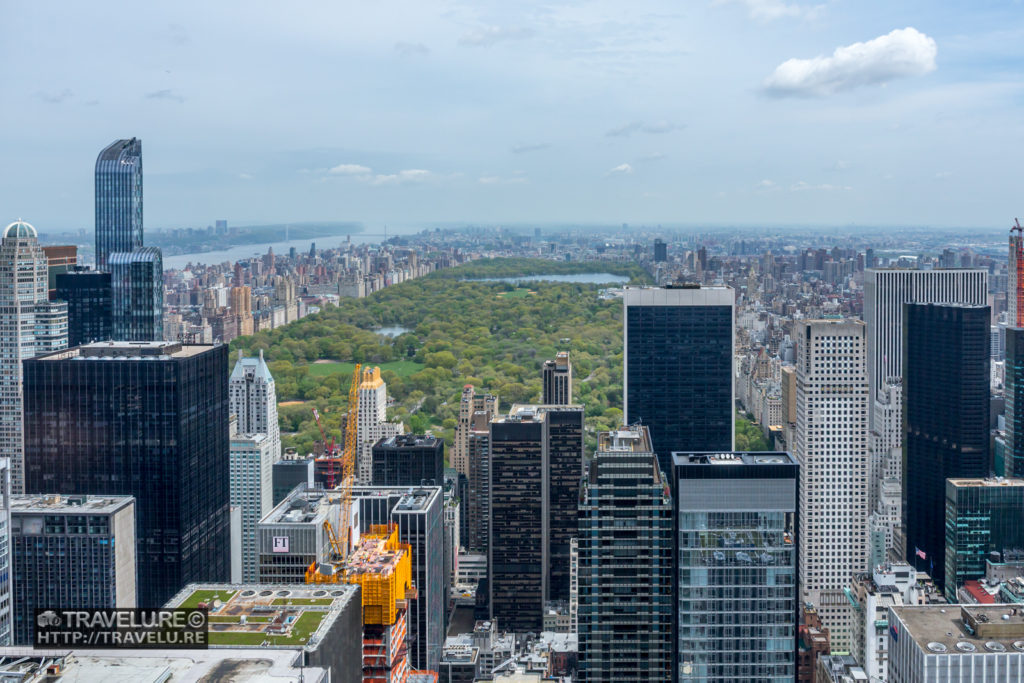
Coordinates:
(419, 514)
(886, 585)
(1015, 279)
(660, 251)
(290, 471)
(557, 376)
(6, 603)
(536, 451)
(477, 515)
(470, 404)
(118, 199)
(624, 564)
(252, 464)
(59, 259)
(982, 516)
(372, 424)
(1014, 391)
(30, 324)
(408, 460)
(87, 293)
(832, 449)
(677, 367)
(253, 399)
(146, 419)
(137, 294)
(738, 605)
(241, 307)
(94, 537)
(945, 419)
(886, 290)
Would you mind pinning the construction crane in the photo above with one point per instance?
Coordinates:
(1019, 254)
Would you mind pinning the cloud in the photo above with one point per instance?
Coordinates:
(245, 176)
(656, 128)
(350, 169)
(498, 180)
(766, 184)
(55, 97)
(901, 53)
(621, 168)
(840, 166)
(801, 186)
(485, 36)
(412, 175)
(770, 10)
(165, 94)
(524, 148)
(412, 49)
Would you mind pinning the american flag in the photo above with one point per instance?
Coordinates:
(920, 553)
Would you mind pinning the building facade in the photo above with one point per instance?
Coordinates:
(1014, 392)
(372, 424)
(149, 420)
(408, 460)
(557, 380)
(470, 404)
(945, 419)
(252, 462)
(832, 449)
(87, 293)
(253, 399)
(293, 535)
(678, 366)
(737, 516)
(94, 539)
(622, 606)
(137, 294)
(118, 199)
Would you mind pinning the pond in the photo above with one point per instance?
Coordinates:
(584, 278)
(392, 331)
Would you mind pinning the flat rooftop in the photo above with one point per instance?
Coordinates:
(409, 441)
(303, 506)
(627, 440)
(959, 628)
(990, 482)
(269, 615)
(130, 350)
(411, 498)
(56, 504)
(700, 459)
(525, 412)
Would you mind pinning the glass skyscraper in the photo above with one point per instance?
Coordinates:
(137, 306)
(677, 367)
(118, 199)
(1014, 383)
(87, 293)
(737, 603)
(946, 358)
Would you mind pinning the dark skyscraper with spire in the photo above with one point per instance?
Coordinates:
(118, 199)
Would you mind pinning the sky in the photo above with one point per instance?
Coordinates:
(752, 112)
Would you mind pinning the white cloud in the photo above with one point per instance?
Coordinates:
(485, 36)
(769, 10)
(801, 186)
(621, 168)
(766, 184)
(901, 53)
(412, 175)
(351, 169)
(656, 128)
(412, 49)
(245, 176)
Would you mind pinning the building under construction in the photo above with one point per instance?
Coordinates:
(382, 567)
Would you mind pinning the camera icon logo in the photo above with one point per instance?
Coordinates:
(48, 618)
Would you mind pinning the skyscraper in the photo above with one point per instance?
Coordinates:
(1014, 390)
(677, 366)
(118, 199)
(557, 377)
(470, 404)
(94, 539)
(831, 447)
(252, 463)
(408, 460)
(477, 506)
(372, 424)
(137, 294)
(87, 293)
(6, 602)
(146, 419)
(737, 515)
(624, 564)
(253, 399)
(30, 324)
(535, 452)
(660, 251)
(1015, 281)
(945, 418)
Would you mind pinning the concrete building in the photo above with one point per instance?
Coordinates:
(953, 643)
(831, 447)
(840, 669)
(94, 539)
(737, 516)
(253, 397)
(372, 424)
(557, 380)
(470, 404)
(292, 536)
(478, 485)
(30, 325)
(624, 610)
(873, 594)
(6, 594)
(812, 643)
(252, 461)
(408, 460)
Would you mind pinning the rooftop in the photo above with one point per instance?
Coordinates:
(128, 151)
(51, 503)
(941, 629)
(409, 441)
(993, 482)
(130, 350)
(528, 412)
(411, 498)
(628, 440)
(685, 458)
(268, 615)
(303, 506)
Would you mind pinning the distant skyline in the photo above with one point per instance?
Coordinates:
(744, 112)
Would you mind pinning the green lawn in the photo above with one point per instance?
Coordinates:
(518, 293)
(402, 368)
(307, 623)
(302, 601)
(206, 596)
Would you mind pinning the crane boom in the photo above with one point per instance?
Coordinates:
(348, 457)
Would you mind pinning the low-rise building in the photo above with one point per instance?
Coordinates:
(295, 535)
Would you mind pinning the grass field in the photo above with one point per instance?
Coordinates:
(302, 601)
(205, 596)
(402, 368)
(307, 623)
(518, 293)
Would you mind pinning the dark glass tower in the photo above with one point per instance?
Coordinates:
(677, 368)
(1014, 402)
(625, 563)
(118, 199)
(89, 307)
(408, 460)
(945, 418)
(137, 281)
(148, 420)
(737, 566)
